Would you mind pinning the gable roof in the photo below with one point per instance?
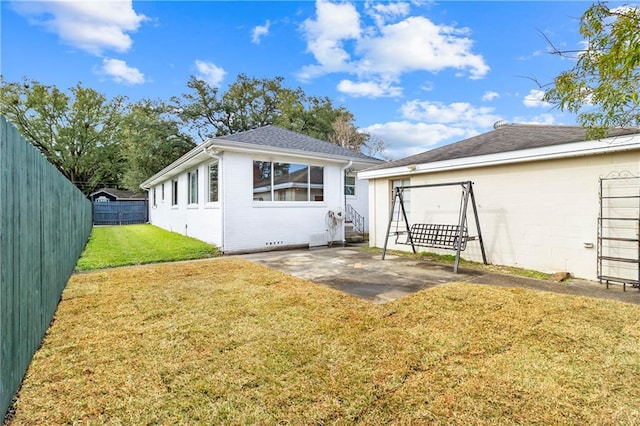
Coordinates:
(276, 137)
(268, 139)
(504, 139)
(120, 194)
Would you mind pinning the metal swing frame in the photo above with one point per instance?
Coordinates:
(452, 237)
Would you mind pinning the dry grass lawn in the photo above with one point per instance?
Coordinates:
(226, 341)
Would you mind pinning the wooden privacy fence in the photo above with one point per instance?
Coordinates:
(120, 212)
(45, 222)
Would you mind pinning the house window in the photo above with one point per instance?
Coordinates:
(213, 183)
(275, 181)
(154, 197)
(193, 187)
(262, 181)
(162, 193)
(316, 183)
(174, 192)
(349, 185)
(406, 198)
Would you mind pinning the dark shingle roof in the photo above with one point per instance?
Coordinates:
(507, 138)
(276, 137)
(121, 194)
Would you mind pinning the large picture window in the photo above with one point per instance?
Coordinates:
(193, 187)
(276, 181)
(213, 183)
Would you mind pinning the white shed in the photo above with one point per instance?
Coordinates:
(542, 203)
(263, 189)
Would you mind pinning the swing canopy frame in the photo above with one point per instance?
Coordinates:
(436, 235)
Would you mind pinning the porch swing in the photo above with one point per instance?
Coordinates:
(435, 235)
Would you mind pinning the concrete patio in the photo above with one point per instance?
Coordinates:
(363, 274)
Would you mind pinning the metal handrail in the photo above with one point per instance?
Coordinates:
(355, 218)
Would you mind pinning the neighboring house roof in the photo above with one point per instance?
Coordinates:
(267, 139)
(508, 142)
(120, 194)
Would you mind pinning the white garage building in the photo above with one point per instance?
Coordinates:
(539, 198)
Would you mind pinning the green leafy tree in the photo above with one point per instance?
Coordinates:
(251, 102)
(150, 140)
(602, 87)
(75, 131)
(247, 103)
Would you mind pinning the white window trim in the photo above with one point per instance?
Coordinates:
(308, 202)
(208, 203)
(190, 192)
(355, 187)
(175, 193)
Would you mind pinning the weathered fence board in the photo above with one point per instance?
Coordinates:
(44, 224)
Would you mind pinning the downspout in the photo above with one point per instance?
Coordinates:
(344, 199)
(220, 193)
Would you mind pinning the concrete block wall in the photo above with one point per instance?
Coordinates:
(538, 215)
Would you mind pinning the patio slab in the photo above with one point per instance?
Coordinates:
(367, 276)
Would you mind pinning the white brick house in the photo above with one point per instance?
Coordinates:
(262, 189)
(538, 193)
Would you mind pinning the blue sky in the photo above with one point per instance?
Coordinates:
(416, 74)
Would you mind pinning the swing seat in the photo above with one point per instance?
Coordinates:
(438, 236)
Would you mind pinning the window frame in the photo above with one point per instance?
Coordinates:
(174, 192)
(275, 194)
(349, 185)
(217, 182)
(192, 187)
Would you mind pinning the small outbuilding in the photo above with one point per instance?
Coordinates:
(262, 189)
(547, 199)
(103, 195)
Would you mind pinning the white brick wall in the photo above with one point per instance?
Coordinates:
(534, 215)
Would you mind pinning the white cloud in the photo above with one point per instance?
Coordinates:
(92, 26)
(259, 32)
(339, 43)
(489, 96)
(121, 72)
(381, 12)
(334, 24)
(403, 138)
(535, 99)
(210, 72)
(417, 44)
(538, 119)
(458, 113)
(428, 124)
(369, 89)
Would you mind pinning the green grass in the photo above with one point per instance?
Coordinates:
(112, 246)
(228, 341)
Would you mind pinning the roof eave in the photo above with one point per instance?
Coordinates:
(253, 148)
(574, 149)
(198, 155)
